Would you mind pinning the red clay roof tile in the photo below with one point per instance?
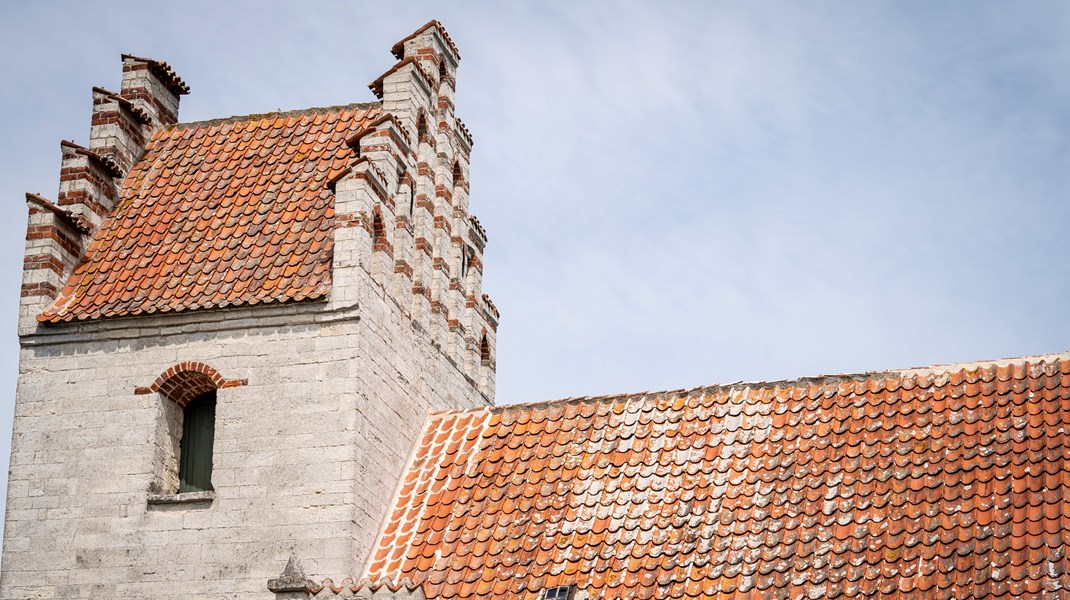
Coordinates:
(219, 214)
(930, 483)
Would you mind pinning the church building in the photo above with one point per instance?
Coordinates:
(257, 363)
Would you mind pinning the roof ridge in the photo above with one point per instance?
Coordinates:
(275, 114)
(937, 369)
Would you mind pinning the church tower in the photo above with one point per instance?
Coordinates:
(232, 332)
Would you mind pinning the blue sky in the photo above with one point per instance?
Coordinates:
(676, 193)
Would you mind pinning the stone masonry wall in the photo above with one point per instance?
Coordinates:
(307, 453)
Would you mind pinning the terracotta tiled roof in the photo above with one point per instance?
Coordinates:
(220, 213)
(930, 483)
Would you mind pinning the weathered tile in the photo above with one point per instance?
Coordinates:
(198, 221)
(927, 484)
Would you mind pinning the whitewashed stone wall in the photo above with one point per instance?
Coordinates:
(307, 454)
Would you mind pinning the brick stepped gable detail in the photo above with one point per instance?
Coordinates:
(317, 269)
(90, 178)
(241, 210)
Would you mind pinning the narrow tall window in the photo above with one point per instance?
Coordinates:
(198, 435)
(484, 350)
(457, 176)
(378, 231)
(421, 128)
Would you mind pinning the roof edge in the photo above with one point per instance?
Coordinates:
(76, 222)
(276, 114)
(61, 315)
(395, 494)
(163, 72)
(377, 86)
(398, 49)
(806, 381)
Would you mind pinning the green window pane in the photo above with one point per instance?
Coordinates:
(198, 432)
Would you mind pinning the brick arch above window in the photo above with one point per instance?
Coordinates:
(187, 380)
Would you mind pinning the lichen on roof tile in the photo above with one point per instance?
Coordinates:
(219, 214)
(939, 482)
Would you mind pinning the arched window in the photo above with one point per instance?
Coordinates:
(464, 261)
(195, 449)
(458, 177)
(185, 439)
(484, 350)
(421, 128)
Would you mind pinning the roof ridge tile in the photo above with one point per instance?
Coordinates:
(815, 386)
(253, 117)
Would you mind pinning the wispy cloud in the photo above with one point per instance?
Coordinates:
(676, 193)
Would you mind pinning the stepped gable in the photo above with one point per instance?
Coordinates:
(217, 214)
(941, 482)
